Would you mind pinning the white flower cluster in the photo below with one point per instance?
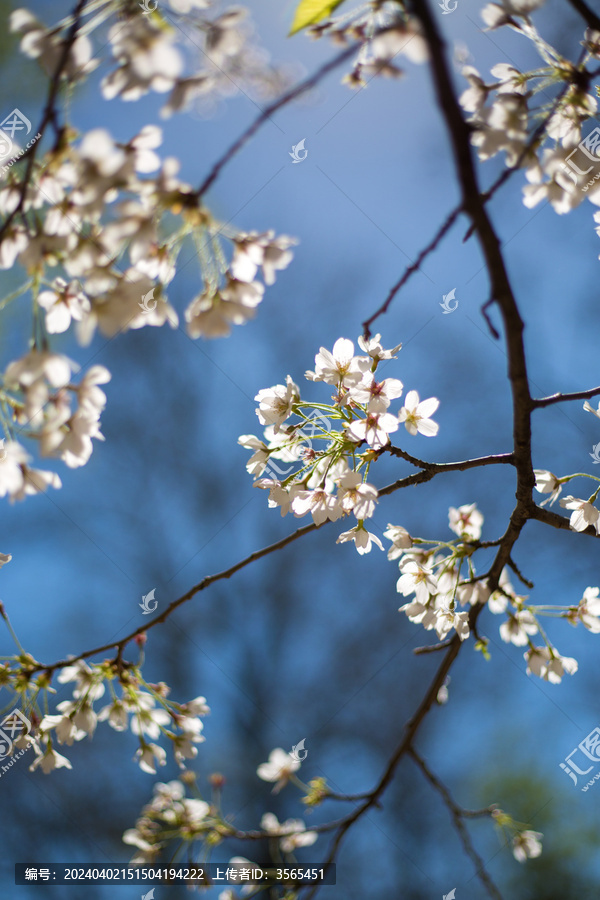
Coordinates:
(147, 712)
(561, 161)
(385, 32)
(583, 512)
(88, 226)
(38, 390)
(434, 575)
(213, 312)
(146, 53)
(294, 831)
(169, 815)
(329, 483)
(71, 231)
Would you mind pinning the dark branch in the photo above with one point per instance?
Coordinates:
(586, 13)
(458, 814)
(565, 398)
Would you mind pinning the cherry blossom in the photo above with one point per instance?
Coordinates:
(339, 366)
(357, 496)
(363, 539)
(416, 415)
(401, 541)
(279, 768)
(527, 845)
(584, 513)
(276, 403)
(63, 304)
(466, 521)
(294, 830)
(416, 578)
(588, 610)
(548, 664)
(320, 503)
(375, 429)
(376, 395)
(547, 483)
(49, 760)
(149, 756)
(372, 347)
(518, 627)
(266, 250)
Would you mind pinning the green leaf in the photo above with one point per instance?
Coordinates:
(309, 12)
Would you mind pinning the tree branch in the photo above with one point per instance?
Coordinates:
(266, 114)
(565, 398)
(586, 13)
(458, 814)
(49, 114)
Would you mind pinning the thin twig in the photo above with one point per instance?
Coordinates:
(266, 114)
(566, 398)
(414, 267)
(458, 814)
(49, 114)
(519, 575)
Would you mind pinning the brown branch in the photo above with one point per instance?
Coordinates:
(418, 478)
(458, 814)
(452, 217)
(550, 518)
(586, 13)
(49, 115)
(501, 290)
(519, 575)
(414, 267)
(433, 648)
(410, 731)
(461, 466)
(266, 114)
(565, 398)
